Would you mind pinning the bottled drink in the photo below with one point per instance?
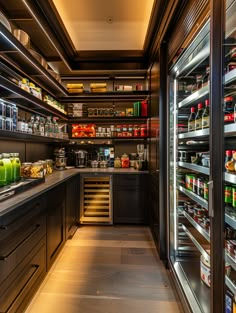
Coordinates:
(7, 167)
(41, 126)
(191, 120)
(16, 164)
(3, 181)
(48, 127)
(206, 115)
(198, 119)
(228, 109)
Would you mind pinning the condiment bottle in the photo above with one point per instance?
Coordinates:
(191, 120)
(206, 115)
(198, 119)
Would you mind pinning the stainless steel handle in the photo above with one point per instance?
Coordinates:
(210, 203)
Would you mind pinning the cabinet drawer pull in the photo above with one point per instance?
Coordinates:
(33, 208)
(5, 257)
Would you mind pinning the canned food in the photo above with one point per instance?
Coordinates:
(228, 194)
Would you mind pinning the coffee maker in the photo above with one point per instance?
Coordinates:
(81, 158)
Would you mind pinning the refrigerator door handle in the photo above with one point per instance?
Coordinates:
(210, 204)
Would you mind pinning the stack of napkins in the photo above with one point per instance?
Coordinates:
(98, 87)
(74, 88)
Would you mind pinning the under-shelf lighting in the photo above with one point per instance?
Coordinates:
(34, 65)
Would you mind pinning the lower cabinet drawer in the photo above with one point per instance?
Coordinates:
(17, 288)
(18, 245)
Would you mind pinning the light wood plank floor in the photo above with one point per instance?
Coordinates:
(107, 269)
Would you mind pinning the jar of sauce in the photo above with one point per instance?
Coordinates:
(124, 160)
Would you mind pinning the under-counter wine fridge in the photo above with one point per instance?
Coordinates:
(202, 165)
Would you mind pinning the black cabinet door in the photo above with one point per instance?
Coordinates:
(55, 222)
(72, 205)
(130, 203)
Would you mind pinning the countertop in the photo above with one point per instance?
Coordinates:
(55, 179)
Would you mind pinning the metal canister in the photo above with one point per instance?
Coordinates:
(228, 194)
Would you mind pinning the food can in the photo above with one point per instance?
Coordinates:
(206, 190)
(228, 194)
(234, 196)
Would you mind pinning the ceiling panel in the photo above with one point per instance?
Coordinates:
(105, 24)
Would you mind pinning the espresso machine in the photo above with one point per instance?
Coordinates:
(81, 158)
(60, 159)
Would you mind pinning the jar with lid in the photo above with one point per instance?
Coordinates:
(8, 167)
(44, 164)
(37, 170)
(49, 166)
(124, 160)
(25, 170)
(2, 122)
(136, 130)
(16, 166)
(3, 181)
(117, 162)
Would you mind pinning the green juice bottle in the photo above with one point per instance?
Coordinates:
(3, 181)
(16, 164)
(8, 167)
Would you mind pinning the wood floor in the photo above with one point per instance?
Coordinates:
(107, 269)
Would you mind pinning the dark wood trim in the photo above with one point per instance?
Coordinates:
(217, 23)
(163, 148)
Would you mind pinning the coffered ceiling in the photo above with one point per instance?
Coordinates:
(105, 24)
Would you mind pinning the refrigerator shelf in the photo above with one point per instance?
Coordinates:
(198, 133)
(197, 96)
(199, 241)
(198, 168)
(201, 230)
(194, 197)
(230, 220)
(230, 260)
(230, 285)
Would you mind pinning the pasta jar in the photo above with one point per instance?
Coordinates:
(25, 169)
(37, 170)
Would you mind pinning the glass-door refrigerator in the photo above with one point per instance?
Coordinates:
(189, 160)
(202, 165)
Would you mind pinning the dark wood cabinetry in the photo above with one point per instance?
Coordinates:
(130, 203)
(22, 254)
(55, 222)
(72, 205)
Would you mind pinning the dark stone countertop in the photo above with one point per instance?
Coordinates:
(55, 179)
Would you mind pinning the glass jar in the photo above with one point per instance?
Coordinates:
(117, 162)
(37, 170)
(136, 131)
(44, 164)
(16, 166)
(25, 170)
(8, 167)
(124, 160)
(49, 166)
